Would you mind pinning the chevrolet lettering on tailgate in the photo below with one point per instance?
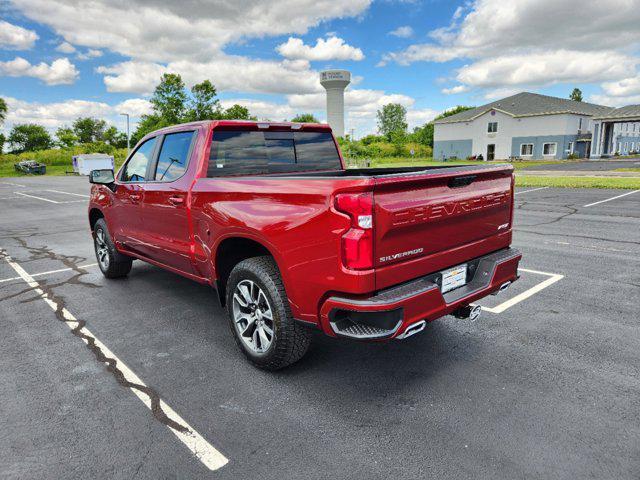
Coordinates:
(448, 209)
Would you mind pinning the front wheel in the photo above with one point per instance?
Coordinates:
(112, 263)
(260, 318)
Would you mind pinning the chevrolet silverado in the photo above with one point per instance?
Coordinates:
(291, 240)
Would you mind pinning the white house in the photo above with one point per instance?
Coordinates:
(525, 125)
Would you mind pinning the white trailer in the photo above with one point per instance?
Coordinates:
(83, 164)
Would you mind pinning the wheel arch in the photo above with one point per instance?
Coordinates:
(95, 214)
(230, 252)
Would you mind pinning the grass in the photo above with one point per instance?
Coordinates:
(58, 161)
(630, 183)
(429, 162)
(629, 169)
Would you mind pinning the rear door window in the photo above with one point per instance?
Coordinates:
(136, 168)
(243, 152)
(174, 156)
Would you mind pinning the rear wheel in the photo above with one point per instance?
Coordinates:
(260, 318)
(112, 263)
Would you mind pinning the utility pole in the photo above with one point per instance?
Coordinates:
(128, 136)
(352, 137)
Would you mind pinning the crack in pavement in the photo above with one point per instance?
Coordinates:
(47, 291)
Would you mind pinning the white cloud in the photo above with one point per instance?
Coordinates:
(165, 30)
(402, 32)
(622, 88)
(59, 72)
(262, 109)
(418, 117)
(57, 114)
(456, 89)
(515, 43)
(333, 48)
(89, 54)
(65, 47)
(619, 93)
(52, 115)
(135, 107)
(16, 38)
(228, 73)
(547, 68)
(613, 101)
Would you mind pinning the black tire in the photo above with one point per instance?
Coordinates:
(112, 263)
(289, 340)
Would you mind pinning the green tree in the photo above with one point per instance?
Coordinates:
(89, 129)
(305, 118)
(203, 104)
(2, 140)
(29, 137)
(392, 118)
(3, 110)
(576, 95)
(169, 100)
(66, 137)
(237, 112)
(114, 137)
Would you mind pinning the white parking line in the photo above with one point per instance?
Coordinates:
(553, 278)
(201, 449)
(69, 193)
(40, 274)
(12, 184)
(612, 198)
(52, 201)
(36, 197)
(532, 190)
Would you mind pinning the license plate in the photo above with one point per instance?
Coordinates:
(454, 278)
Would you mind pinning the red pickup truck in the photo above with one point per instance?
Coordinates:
(268, 215)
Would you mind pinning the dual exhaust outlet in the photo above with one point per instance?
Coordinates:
(471, 312)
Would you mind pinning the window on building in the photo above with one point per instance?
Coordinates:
(526, 149)
(492, 127)
(549, 149)
(136, 168)
(570, 148)
(580, 124)
(174, 156)
(626, 147)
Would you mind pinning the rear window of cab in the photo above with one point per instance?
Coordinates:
(245, 152)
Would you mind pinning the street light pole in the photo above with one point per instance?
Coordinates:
(128, 136)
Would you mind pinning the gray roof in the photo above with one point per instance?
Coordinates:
(526, 104)
(622, 113)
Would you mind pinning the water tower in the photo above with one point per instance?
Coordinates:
(334, 82)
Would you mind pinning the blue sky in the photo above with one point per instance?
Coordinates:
(60, 59)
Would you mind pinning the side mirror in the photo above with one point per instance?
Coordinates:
(102, 177)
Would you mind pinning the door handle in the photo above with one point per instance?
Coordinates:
(176, 200)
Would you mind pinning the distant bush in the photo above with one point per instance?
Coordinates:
(63, 156)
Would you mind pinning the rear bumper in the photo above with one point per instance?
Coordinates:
(388, 313)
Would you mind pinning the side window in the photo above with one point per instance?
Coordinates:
(136, 168)
(173, 157)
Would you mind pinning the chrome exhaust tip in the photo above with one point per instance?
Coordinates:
(412, 329)
(471, 312)
(502, 288)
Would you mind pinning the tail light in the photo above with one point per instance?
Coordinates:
(357, 242)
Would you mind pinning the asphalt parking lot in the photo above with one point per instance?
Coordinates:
(546, 384)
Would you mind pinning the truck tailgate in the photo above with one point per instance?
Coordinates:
(431, 220)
